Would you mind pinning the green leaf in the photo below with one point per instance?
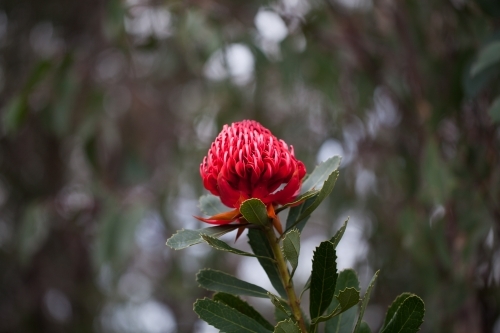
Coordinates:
(494, 110)
(320, 174)
(220, 245)
(286, 326)
(219, 281)
(291, 248)
(279, 304)
(296, 211)
(346, 299)
(14, 114)
(254, 211)
(185, 237)
(302, 197)
(211, 205)
(408, 317)
(339, 234)
(243, 307)
(488, 56)
(311, 204)
(225, 318)
(344, 322)
(364, 303)
(323, 278)
(394, 307)
(307, 286)
(33, 231)
(364, 328)
(260, 247)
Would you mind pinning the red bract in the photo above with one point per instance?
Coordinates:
(247, 161)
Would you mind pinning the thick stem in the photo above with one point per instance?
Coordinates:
(293, 300)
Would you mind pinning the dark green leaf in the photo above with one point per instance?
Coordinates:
(295, 212)
(344, 322)
(254, 211)
(365, 301)
(408, 317)
(286, 326)
(323, 278)
(211, 205)
(243, 307)
(220, 245)
(226, 318)
(363, 328)
(320, 174)
(346, 299)
(219, 281)
(494, 110)
(302, 197)
(260, 246)
(279, 304)
(291, 248)
(338, 235)
(394, 307)
(185, 237)
(488, 56)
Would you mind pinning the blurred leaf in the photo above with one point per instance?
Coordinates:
(347, 298)
(254, 211)
(185, 237)
(219, 281)
(243, 307)
(220, 245)
(291, 248)
(408, 317)
(287, 326)
(280, 305)
(394, 307)
(438, 179)
(364, 303)
(321, 174)
(323, 278)
(363, 328)
(33, 231)
(226, 318)
(260, 247)
(344, 322)
(211, 205)
(14, 114)
(488, 56)
(494, 110)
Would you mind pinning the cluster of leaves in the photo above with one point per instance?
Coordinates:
(334, 296)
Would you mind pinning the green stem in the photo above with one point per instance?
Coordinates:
(293, 301)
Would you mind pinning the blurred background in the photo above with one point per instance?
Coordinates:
(108, 107)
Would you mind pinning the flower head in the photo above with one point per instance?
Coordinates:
(247, 161)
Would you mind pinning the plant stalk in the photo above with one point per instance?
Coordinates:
(293, 300)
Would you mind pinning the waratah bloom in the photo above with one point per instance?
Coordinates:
(247, 161)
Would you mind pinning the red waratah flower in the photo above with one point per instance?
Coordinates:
(247, 161)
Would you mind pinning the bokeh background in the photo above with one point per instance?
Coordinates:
(108, 107)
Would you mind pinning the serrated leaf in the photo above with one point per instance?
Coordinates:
(302, 197)
(254, 211)
(223, 246)
(260, 247)
(494, 110)
(488, 56)
(295, 212)
(219, 281)
(279, 304)
(243, 307)
(391, 311)
(339, 234)
(408, 317)
(225, 318)
(291, 248)
(320, 174)
(366, 299)
(311, 204)
(211, 205)
(344, 322)
(286, 326)
(323, 278)
(346, 299)
(185, 237)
